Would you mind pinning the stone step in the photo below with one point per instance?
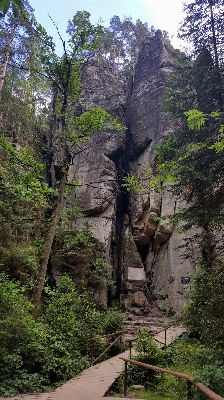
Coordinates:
(145, 323)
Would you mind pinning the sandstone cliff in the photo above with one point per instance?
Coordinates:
(146, 263)
(156, 242)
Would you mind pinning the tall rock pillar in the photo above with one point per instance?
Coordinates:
(161, 267)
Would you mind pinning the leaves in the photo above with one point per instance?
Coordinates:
(17, 5)
(48, 351)
(96, 119)
(195, 119)
(26, 173)
(131, 183)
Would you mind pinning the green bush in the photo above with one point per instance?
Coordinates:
(72, 320)
(102, 273)
(204, 313)
(36, 354)
(23, 342)
(112, 320)
(210, 371)
(149, 353)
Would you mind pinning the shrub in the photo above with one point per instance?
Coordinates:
(36, 354)
(149, 353)
(210, 371)
(23, 342)
(72, 320)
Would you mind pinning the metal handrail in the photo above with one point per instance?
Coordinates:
(190, 379)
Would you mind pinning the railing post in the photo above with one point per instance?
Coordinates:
(121, 344)
(125, 379)
(130, 346)
(188, 390)
(92, 351)
(165, 337)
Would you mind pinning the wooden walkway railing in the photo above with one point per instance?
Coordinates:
(190, 380)
(92, 340)
(119, 337)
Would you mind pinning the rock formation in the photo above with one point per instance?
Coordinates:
(156, 242)
(141, 249)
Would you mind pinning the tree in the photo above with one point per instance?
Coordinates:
(187, 155)
(23, 201)
(36, 354)
(120, 44)
(15, 41)
(203, 27)
(204, 312)
(206, 82)
(192, 157)
(64, 73)
(17, 5)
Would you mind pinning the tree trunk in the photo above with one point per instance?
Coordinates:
(48, 246)
(63, 165)
(6, 60)
(220, 98)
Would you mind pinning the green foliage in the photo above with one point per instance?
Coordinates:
(17, 5)
(21, 262)
(189, 161)
(102, 272)
(112, 320)
(23, 199)
(119, 46)
(131, 183)
(188, 356)
(67, 240)
(202, 27)
(36, 354)
(25, 174)
(149, 353)
(78, 130)
(210, 370)
(23, 342)
(96, 120)
(71, 320)
(80, 249)
(195, 119)
(166, 173)
(146, 345)
(204, 312)
(182, 354)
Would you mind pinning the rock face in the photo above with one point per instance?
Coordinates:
(156, 238)
(96, 165)
(140, 247)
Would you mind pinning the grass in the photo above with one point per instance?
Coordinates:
(179, 357)
(169, 389)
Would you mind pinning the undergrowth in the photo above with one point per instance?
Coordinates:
(38, 355)
(185, 355)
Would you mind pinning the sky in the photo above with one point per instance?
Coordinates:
(163, 14)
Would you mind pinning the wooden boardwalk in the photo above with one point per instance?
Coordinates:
(94, 382)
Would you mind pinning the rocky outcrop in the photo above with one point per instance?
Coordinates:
(155, 237)
(133, 229)
(96, 163)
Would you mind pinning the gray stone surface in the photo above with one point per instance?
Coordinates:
(155, 236)
(133, 229)
(136, 274)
